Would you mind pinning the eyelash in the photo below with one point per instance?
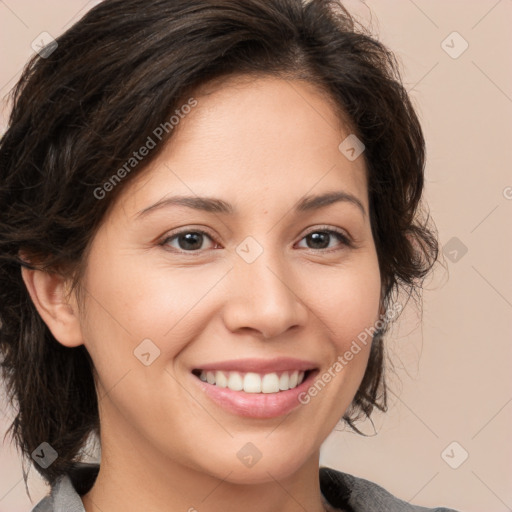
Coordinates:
(345, 240)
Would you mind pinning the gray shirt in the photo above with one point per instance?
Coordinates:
(341, 492)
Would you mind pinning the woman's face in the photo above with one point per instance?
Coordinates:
(268, 292)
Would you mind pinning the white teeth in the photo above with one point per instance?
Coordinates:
(283, 382)
(235, 381)
(253, 382)
(221, 380)
(270, 383)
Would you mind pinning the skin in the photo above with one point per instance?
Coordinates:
(261, 145)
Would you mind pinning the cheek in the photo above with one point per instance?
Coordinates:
(349, 301)
(130, 301)
(350, 312)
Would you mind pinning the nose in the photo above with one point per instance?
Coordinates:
(264, 297)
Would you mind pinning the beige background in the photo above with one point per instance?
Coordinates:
(452, 379)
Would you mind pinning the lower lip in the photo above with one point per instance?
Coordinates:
(256, 405)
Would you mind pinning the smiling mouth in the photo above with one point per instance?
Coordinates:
(252, 382)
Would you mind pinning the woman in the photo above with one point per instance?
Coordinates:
(207, 210)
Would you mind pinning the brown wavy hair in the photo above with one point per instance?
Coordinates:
(80, 112)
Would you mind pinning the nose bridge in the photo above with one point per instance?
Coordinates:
(263, 295)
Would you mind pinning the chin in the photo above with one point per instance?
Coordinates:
(277, 464)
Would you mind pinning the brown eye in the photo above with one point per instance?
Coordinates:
(187, 241)
(320, 239)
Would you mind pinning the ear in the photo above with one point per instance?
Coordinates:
(49, 294)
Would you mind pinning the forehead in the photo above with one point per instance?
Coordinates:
(253, 141)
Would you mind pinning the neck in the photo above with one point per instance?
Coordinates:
(136, 477)
(184, 489)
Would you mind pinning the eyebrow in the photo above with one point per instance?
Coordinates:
(215, 205)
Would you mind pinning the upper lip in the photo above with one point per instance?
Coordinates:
(278, 364)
